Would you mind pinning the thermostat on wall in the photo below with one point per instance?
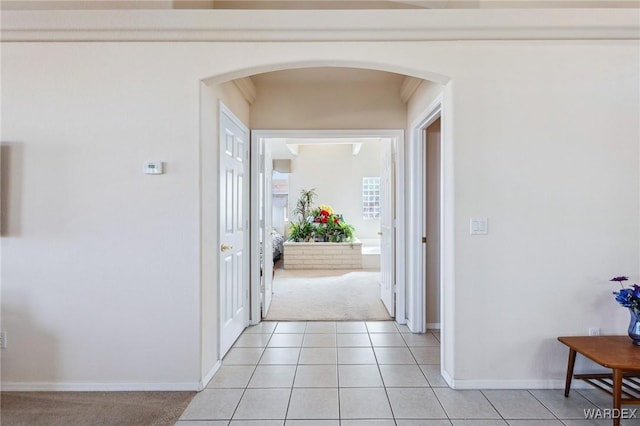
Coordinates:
(153, 168)
(478, 226)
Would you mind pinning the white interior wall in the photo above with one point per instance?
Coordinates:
(100, 275)
(540, 162)
(105, 262)
(337, 174)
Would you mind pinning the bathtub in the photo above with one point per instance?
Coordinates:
(370, 253)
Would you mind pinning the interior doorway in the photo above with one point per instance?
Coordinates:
(432, 218)
(374, 280)
(342, 99)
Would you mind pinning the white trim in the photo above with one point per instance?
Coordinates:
(329, 134)
(433, 326)
(415, 269)
(254, 201)
(398, 136)
(510, 384)
(447, 234)
(430, 114)
(515, 384)
(409, 325)
(320, 25)
(247, 88)
(207, 378)
(293, 149)
(409, 87)
(401, 233)
(96, 387)
(447, 378)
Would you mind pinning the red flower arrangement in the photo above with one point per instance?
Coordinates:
(318, 224)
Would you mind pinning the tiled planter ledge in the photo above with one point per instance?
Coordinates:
(323, 255)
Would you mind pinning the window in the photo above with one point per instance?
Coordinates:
(371, 198)
(280, 196)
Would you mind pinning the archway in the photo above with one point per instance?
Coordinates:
(411, 205)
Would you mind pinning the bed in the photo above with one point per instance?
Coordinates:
(278, 245)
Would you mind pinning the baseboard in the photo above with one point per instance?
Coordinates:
(109, 387)
(96, 387)
(447, 378)
(207, 378)
(433, 326)
(513, 384)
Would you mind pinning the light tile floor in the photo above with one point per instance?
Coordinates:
(364, 373)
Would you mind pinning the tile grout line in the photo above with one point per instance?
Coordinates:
(384, 386)
(494, 407)
(295, 374)
(244, 391)
(338, 378)
(545, 407)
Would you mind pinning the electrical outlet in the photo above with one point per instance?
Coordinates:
(594, 331)
(3, 340)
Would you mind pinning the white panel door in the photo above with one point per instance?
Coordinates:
(387, 229)
(234, 229)
(267, 204)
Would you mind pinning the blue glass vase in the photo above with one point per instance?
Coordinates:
(634, 326)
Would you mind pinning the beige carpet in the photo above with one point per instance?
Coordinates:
(326, 295)
(92, 408)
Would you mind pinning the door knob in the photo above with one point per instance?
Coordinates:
(225, 247)
(379, 233)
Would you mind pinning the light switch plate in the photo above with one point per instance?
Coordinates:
(479, 226)
(153, 168)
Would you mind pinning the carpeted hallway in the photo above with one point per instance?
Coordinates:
(330, 295)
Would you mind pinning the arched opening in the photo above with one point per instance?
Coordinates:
(298, 65)
(409, 188)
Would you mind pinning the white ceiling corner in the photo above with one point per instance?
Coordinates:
(247, 88)
(408, 88)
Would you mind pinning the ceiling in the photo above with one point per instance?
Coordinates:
(287, 148)
(327, 76)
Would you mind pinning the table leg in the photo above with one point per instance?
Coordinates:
(572, 361)
(617, 396)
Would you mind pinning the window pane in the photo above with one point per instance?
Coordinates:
(371, 198)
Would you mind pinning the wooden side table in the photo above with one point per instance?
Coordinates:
(615, 352)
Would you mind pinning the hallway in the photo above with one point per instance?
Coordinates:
(364, 373)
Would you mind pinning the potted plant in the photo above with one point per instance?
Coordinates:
(319, 224)
(630, 298)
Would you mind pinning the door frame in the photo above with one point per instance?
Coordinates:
(256, 193)
(417, 321)
(397, 137)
